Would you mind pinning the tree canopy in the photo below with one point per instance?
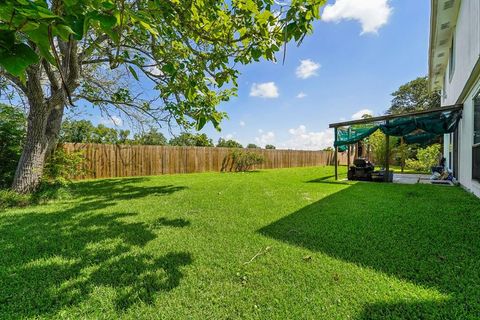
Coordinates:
(166, 60)
(191, 140)
(414, 96)
(151, 137)
(224, 143)
(187, 49)
(83, 131)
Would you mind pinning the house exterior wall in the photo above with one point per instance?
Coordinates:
(458, 88)
(467, 51)
(465, 134)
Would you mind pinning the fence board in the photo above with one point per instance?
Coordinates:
(107, 161)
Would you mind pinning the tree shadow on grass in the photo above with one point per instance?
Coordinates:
(50, 261)
(426, 235)
(121, 189)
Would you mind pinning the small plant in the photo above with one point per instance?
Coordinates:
(245, 160)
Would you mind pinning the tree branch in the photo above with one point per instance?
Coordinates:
(15, 80)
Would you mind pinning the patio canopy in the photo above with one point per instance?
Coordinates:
(416, 127)
(413, 127)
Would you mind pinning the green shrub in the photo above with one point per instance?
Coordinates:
(12, 133)
(51, 190)
(426, 158)
(245, 160)
(62, 166)
(9, 199)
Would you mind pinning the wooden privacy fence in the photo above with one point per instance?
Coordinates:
(107, 161)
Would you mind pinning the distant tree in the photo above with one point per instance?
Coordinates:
(104, 134)
(222, 143)
(328, 149)
(252, 146)
(151, 137)
(192, 140)
(270, 146)
(77, 131)
(83, 131)
(123, 137)
(414, 96)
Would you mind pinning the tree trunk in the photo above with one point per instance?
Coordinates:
(44, 124)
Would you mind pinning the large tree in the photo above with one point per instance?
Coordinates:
(60, 53)
(414, 96)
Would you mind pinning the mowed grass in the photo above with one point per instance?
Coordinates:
(276, 244)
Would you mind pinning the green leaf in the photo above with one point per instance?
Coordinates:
(133, 72)
(77, 24)
(16, 60)
(7, 40)
(63, 31)
(106, 21)
(40, 37)
(169, 68)
(201, 123)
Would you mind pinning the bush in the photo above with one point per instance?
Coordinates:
(379, 147)
(9, 199)
(426, 158)
(245, 160)
(62, 166)
(12, 134)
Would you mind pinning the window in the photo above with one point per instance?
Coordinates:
(451, 64)
(476, 120)
(476, 138)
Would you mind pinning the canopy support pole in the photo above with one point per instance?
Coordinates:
(349, 147)
(336, 156)
(348, 156)
(387, 157)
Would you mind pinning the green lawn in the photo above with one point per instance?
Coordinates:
(275, 244)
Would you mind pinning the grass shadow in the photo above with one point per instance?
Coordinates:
(422, 234)
(54, 260)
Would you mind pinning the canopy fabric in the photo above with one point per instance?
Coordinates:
(351, 135)
(423, 138)
(434, 123)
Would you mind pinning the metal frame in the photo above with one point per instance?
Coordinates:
(385, 118)
(394, 116)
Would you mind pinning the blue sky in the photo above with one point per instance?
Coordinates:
(353, 61)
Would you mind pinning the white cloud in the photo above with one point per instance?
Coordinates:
(307, 69)
(358, 115)
(242, 123)
(372, 14)
(264, 90)
(302, 139)
(112, 121)
(265, 138)
(301, 95)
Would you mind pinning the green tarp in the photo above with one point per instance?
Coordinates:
(433, 124)
(423, 138)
